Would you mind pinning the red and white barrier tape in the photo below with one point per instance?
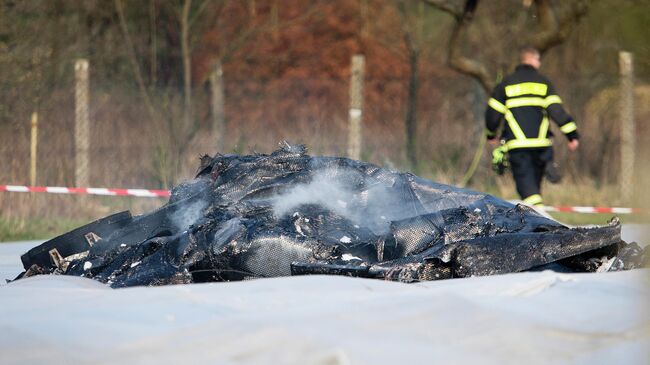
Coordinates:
(153, 193)
(147, 193)
(615, 210)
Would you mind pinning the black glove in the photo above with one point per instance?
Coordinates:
(552, 173)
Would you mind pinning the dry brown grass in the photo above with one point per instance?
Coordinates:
(25, 206)
(128, 152)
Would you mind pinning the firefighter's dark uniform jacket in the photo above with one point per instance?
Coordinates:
(525, 100)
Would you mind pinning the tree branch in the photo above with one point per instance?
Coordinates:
(465, 65)
(463, 12)
(453, 7)
(244, 36)
(186, 56)
(554, 32)
(134, 62)
(198, 12)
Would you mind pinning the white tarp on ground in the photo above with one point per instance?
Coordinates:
(510, 319)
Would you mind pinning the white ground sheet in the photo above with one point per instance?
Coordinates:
(531, 318)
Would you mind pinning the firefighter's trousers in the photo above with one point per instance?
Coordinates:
(528, 166)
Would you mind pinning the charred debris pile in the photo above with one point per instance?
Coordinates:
(288, 213)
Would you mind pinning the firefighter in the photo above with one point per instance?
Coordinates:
(526, 99)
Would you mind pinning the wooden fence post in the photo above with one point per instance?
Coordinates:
(33, 149)
(626, 179)
(356, 107)
(81, 123)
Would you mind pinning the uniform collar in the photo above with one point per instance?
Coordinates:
(525, 66)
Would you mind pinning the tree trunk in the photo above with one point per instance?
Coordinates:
(411, 112)
(187, 67)
(217, 106)
(154, 46)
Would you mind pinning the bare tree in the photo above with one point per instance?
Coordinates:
(228, 46)
(413, 50)
(187, 63)
(407, 44)
(191, 17)
(133, 59)
(177, 135)
(555, 23)
(552, 31)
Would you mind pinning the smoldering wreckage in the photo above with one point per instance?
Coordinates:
(288, 213)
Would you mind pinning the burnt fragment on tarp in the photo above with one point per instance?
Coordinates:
(288, 213)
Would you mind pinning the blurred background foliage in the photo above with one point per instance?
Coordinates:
(286, 70)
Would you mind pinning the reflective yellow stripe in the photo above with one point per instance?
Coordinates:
(524, 88)
(528, 143)
(534, 199)
(512, 123)
(496, 105)
(569, 127)
(543, 128)
(519, 134)
(532, 101)
(514, 126)
(553, 99)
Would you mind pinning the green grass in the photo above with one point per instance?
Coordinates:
(12, 229)
(43, 216)
(582, 219)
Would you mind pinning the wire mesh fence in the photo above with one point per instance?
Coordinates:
(129, 148)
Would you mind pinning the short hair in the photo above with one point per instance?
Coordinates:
(528, 49)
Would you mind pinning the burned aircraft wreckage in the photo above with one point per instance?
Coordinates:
(291, 214)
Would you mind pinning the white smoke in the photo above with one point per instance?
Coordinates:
(188, 215)
(373, 207)
(325, 189)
